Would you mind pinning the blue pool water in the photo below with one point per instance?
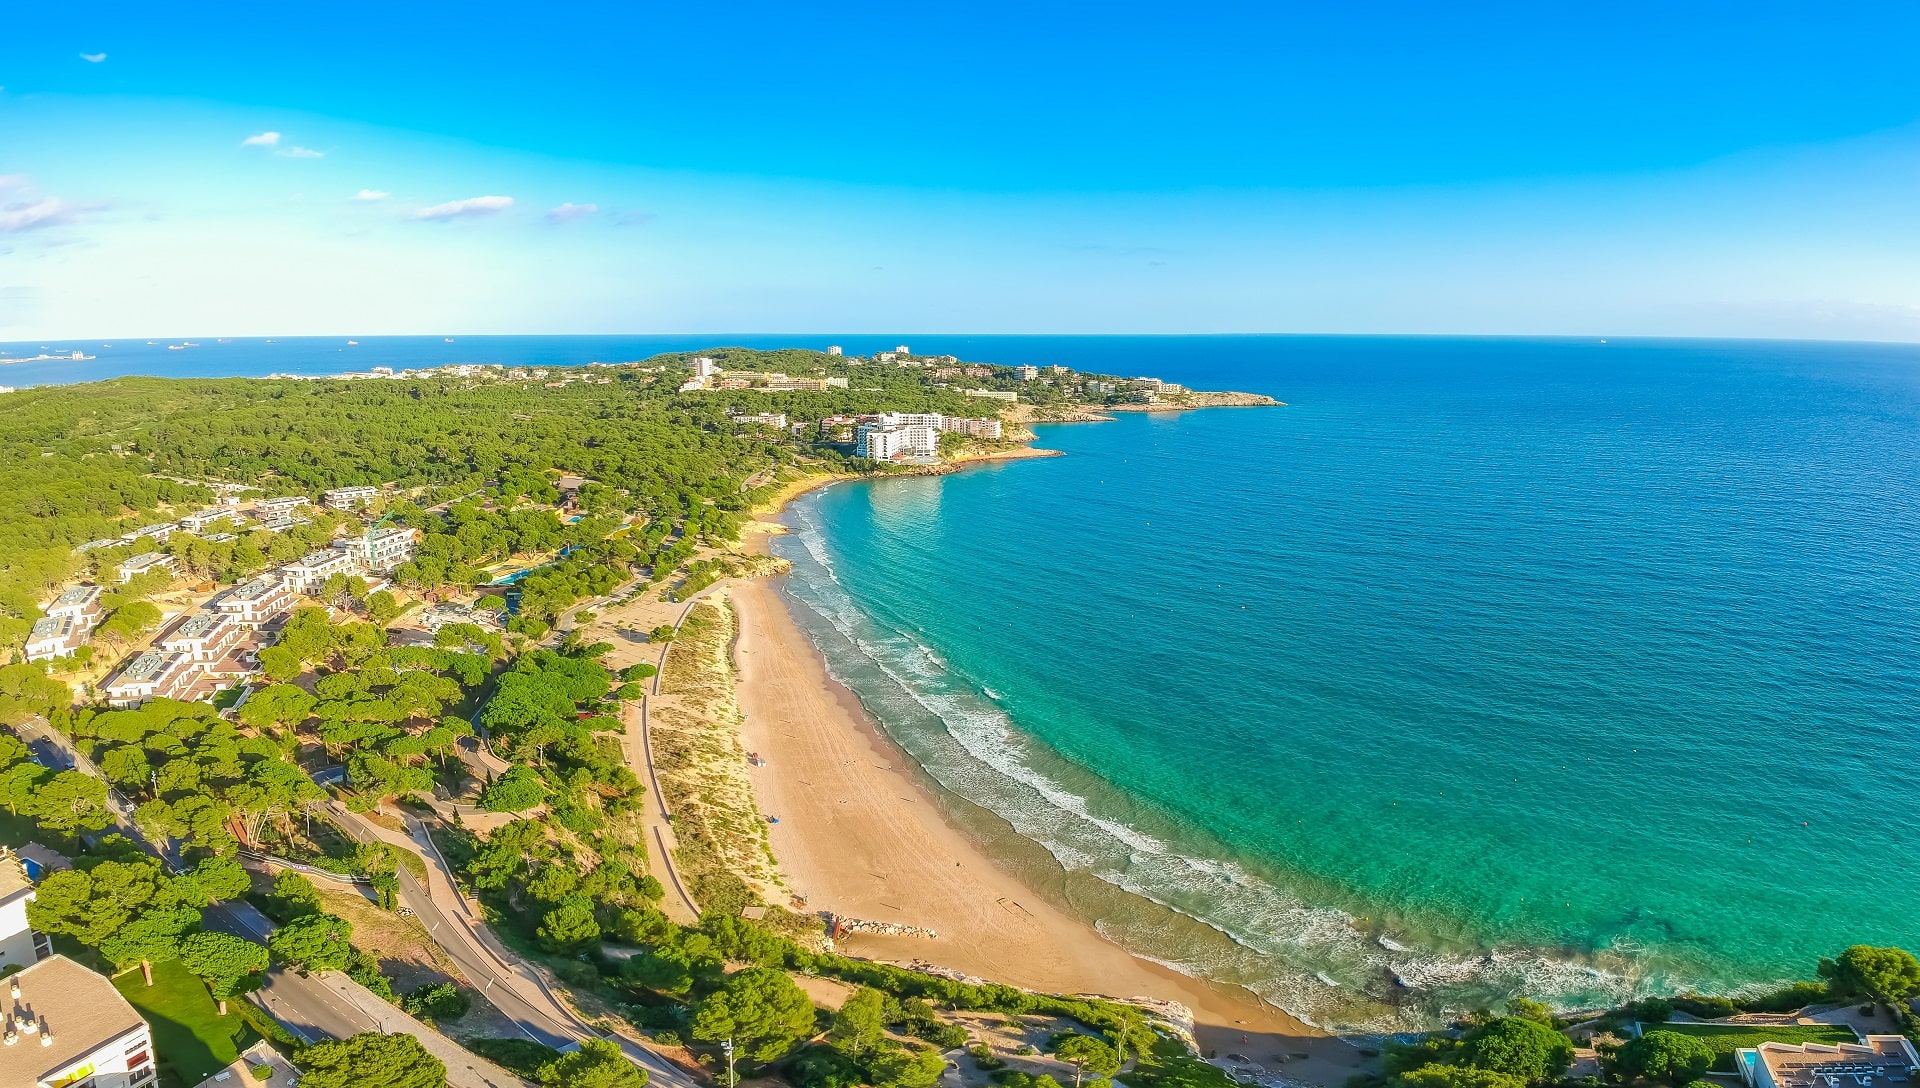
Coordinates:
(1482, 668)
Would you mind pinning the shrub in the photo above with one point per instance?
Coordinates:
(1666, 1056)
(1519, 1048)
(437, 1002)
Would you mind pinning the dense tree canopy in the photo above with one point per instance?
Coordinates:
(1668, 1057)
(1887, 975)
(371, 1060)
(1526, 1049)
(760, 1009)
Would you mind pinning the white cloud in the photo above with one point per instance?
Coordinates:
(264, 139)
(93, 58)
(568, 212)
(298, 152)
(48, 211)
(371, 194)
(471, 206)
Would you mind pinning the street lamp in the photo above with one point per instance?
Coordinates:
(728, 1047)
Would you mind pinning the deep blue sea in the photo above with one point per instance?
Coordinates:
(1484, 667)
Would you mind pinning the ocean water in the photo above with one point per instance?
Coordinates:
(1483, 668)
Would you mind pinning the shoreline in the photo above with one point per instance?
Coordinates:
(866, 833)
(862, 833)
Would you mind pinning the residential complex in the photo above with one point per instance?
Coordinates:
(152, 675)
(382, 549)
(82, 603)
(1885, 1059)
(54, 636)
(257, 602)
(204, 637)
(314, 568)
(285, 505)
(197, 523)
(899, 436)
(1007, 395)
(159, 533)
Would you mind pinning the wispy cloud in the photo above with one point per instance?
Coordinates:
(298, 152)
(25, 215)
(471, 206)
(568, 212)
(371, 194)
(93, 58)
(264, 139)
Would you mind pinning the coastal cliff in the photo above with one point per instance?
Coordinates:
(1172, 402)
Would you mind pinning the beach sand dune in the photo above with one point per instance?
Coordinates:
(860, 835)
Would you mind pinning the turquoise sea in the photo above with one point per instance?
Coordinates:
(1559, 668)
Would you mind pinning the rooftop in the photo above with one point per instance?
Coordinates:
(13, 879)
(50, 627)
(78, 595)
(147, 666)
(197, 625)
(78, 1009)
(252, 591)
(1888, 1059)
(146, 559)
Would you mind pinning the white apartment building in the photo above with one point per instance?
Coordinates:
(972, 428)
(251, 604)
(704, 367)
(197, 523)
(1026, 373)
(313, 569)
(993, 394)
(203, 637)
(147, 561)
(765, 419)
(910, 419)
(82, 603)
(382, 549)
(346, 498)
(54, 636)
(152, 675)
(67, 1026)
(285, 505)
(159, 532)
(834, 349)
(20, 946)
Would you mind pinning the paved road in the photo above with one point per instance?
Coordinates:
(307, 1007)
(513, 987)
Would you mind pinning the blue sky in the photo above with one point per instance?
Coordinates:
(1700, 169)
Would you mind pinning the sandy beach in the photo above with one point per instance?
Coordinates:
(860, 834)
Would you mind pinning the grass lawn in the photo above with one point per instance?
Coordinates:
(191, 1040)
(1727, 1038)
